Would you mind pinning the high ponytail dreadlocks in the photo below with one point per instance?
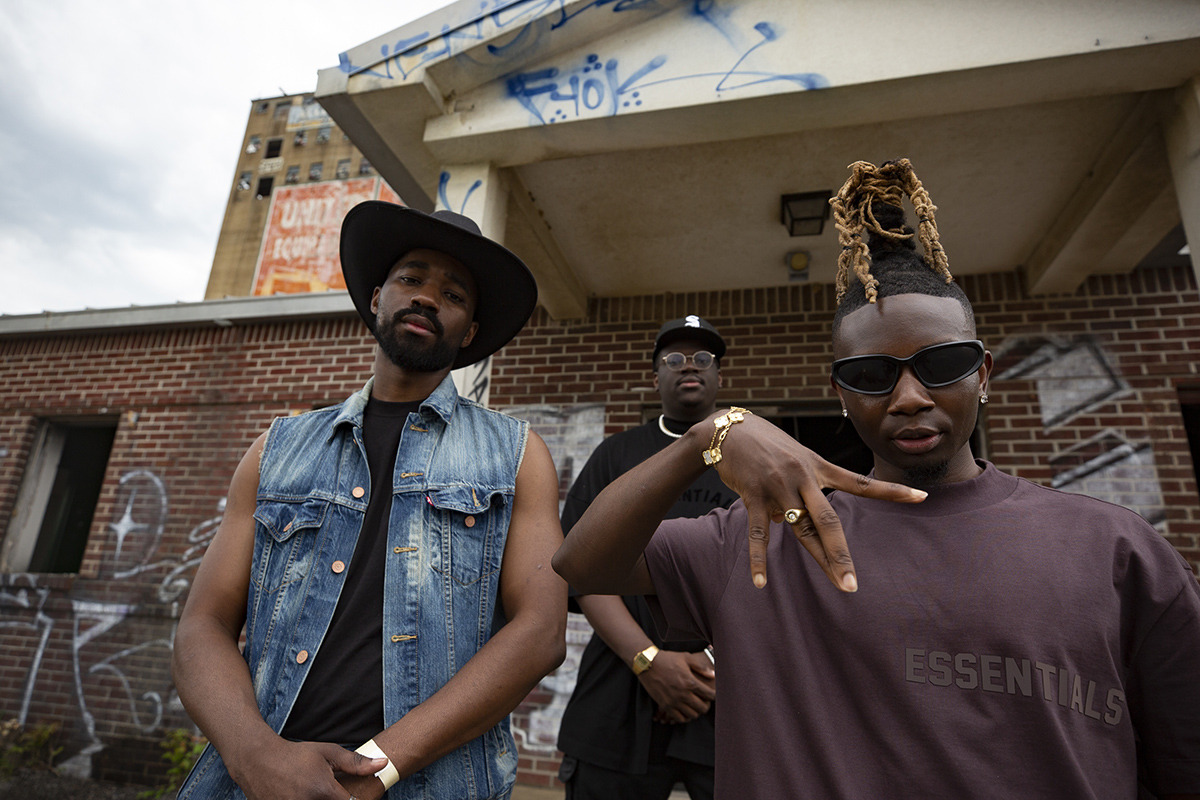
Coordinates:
(888, 263)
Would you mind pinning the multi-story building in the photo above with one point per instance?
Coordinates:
(297, 174)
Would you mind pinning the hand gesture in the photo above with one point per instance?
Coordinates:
(683, 685)
(775, 474)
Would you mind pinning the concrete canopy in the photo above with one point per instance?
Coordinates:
(643, 145)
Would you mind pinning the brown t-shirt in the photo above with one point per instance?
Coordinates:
(1007, 640)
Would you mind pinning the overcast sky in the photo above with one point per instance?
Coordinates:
(120, 126)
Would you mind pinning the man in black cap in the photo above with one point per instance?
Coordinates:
(389, 557)
(641, 717)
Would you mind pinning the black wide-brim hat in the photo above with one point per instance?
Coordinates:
(375, 235)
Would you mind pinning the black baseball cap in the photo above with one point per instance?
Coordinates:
(689, 327)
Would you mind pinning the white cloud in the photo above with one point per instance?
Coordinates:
(122, 124)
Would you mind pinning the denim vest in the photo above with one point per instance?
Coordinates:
(453, 488)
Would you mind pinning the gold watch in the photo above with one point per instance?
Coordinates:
(643, 660)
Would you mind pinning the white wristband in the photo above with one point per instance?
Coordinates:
(389, 776)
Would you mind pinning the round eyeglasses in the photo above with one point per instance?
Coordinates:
(935, 366)
(702, 359)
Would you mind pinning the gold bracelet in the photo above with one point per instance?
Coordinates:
(723, 423)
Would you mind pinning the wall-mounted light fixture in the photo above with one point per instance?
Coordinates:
(804, 214)
(797, 265)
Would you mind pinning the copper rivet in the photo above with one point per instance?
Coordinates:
(469, 522)
(302, 656)
(338, 566)
(358, 491)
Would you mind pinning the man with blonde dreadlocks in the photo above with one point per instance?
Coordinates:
(997, 639)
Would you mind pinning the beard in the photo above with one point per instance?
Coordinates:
(927, 476)
(409, 351)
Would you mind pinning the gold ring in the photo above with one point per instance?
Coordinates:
(793, 515)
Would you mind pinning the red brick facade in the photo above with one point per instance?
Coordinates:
(1087, 393)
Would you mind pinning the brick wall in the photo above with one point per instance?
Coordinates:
(1140, 334)
(1085, 396)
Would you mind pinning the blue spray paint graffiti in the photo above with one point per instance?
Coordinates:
(579, 92)
(596, 87)
(553, 95)
(444, 199)
(528, 20)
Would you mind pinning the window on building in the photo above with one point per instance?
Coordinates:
(49, 527)
(293, 174)
(264, 187)
(1189, 406)
(343, 169)
(244, 181)
(309, 99)
(282, 109)
(314, 170)
(254, 144)
(263, 107)
(274, 148)
(364, 168)
(323, 134)
(300, 139)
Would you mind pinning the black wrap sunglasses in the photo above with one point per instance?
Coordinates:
(935, 366)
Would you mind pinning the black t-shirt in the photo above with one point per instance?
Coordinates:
(609, 720)
(341, 700)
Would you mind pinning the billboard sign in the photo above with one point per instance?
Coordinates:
(307, 115)
(299, 250)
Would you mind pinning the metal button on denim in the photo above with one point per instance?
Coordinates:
(469, 522)
(358, 491)
(338, 567)
(302, 656)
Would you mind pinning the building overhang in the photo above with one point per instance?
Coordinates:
(646, 146)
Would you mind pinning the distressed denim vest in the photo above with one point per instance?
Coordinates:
(453, 488)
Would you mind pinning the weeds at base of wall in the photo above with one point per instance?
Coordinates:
(33, 749)
(181, 748)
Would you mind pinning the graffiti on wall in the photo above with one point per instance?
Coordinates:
(595, 85)
(521, 26)
(1075, 376)
(117, 684)
(22, 607)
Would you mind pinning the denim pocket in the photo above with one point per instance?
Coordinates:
(284, 519)
(464, 520)
(282, 553)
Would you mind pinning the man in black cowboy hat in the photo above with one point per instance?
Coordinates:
(388, 557)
